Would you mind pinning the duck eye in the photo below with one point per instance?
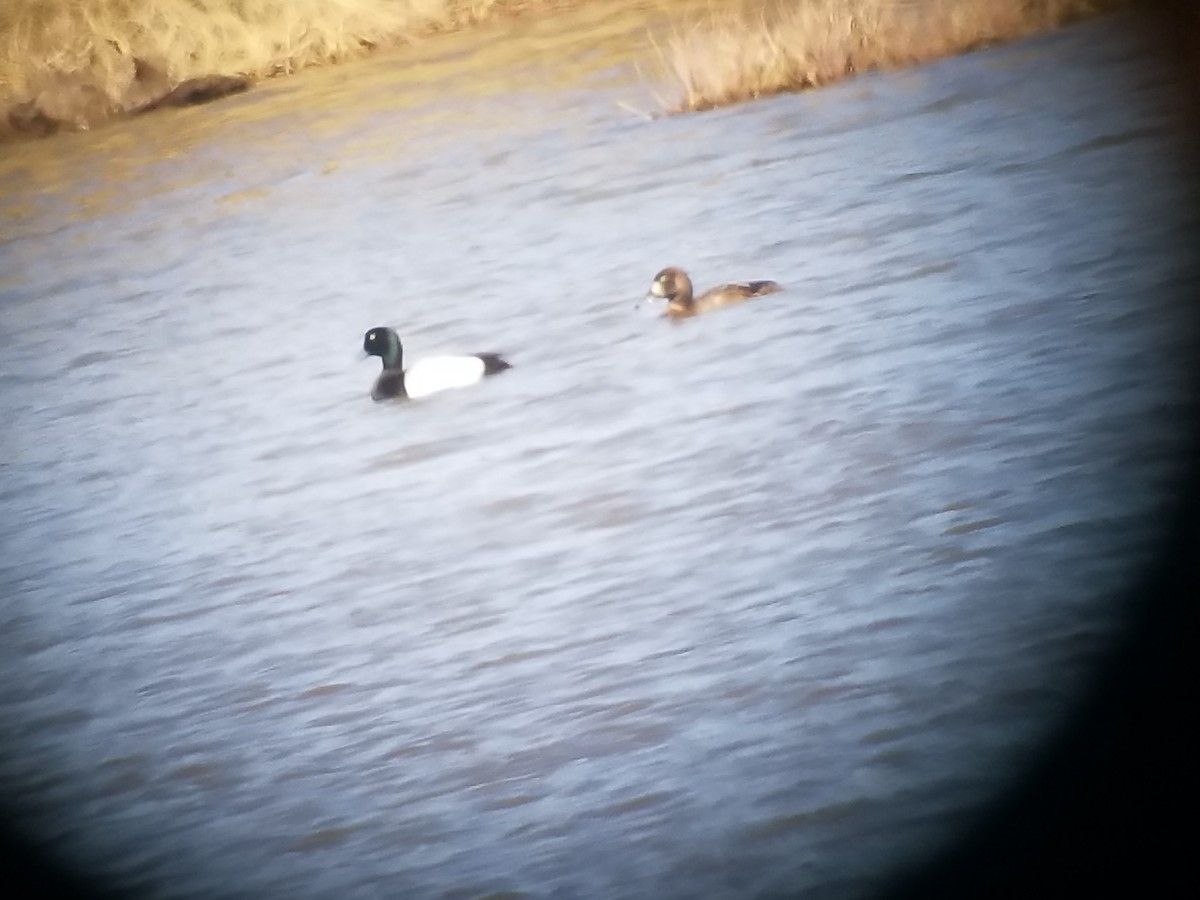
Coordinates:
(371, 336)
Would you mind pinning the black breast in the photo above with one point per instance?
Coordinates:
(389, 384)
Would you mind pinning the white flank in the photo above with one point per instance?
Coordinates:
(440, 373)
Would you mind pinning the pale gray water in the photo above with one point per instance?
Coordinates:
(775, 597)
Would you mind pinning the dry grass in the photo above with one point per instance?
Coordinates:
(79, 61)
(733, 57)
(94, 42)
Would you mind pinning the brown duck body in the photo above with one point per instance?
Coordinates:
(673, 285)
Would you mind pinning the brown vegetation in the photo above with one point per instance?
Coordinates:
(72, 63)
(739, 56)
(69, 64)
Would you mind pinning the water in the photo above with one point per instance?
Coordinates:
(776, 597)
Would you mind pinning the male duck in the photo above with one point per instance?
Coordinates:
(674, 286)
(426, 376)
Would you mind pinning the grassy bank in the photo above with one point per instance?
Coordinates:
(737, 56)
(73, 63)
(93, 54)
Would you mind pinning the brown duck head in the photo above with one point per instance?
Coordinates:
(673, 285)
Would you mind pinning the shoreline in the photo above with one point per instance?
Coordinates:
(734, 58)
(69, 65)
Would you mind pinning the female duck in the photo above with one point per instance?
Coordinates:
(426, 376)
(674, 286)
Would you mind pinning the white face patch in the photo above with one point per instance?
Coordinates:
(657, 290)
(371, 336)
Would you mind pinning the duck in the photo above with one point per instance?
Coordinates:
(426, 376)
(673, 285)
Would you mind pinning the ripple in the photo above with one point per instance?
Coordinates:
(776, 584)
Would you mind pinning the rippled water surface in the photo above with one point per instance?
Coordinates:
(773, 597)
